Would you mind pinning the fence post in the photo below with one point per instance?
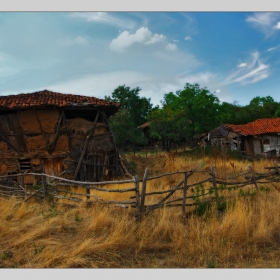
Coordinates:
(142, 204)
(137, 210)
(22, 183)
(88, 193)
(253, 178)
(214, 183)
(184, 195)
(44, 186)
(276, 166)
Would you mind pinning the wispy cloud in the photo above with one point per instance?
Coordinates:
(249, 72)
(265, 22)
(188, 38)
(241, 65)
(143, 36)
(105, 18)
(273, 48)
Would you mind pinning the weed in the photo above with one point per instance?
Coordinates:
(211, 264)
(78, 219)
(52, 212)
(7, 254)
(38, 250)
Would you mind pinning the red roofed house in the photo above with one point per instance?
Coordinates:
(56, 134)
(260, 137)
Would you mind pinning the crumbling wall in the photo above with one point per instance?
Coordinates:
(48, 120)
(36, 145)
(28, 121)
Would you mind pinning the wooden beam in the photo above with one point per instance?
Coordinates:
(11, 145)
(85, 146)
(52, 145)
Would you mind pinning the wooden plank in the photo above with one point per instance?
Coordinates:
(52, 145)
(42, 131)
(85, 146)
(13, 119)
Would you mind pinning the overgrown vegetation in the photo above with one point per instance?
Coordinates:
(182, 115)
(245, 233)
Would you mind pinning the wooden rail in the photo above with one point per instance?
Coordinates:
(190, 193)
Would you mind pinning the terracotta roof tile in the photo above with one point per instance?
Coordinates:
(260, 126)
(46, 97)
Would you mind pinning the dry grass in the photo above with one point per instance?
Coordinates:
(246, 236)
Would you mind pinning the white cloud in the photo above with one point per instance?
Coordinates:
(142, 36)
(243, 64)
(218, 90)
(277, 26)
(152, 86)
(188, 38)
(175, 40)
(105, 18)
(171, 47)
(254, 71)
(265, 22)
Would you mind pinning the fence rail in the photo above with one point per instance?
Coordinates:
(190, 193)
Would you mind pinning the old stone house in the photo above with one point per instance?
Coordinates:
(260, 137)
(57, 134)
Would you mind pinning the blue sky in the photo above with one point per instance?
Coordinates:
(236, 55)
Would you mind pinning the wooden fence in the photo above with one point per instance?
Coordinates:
(188, 194)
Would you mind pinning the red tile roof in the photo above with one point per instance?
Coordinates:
(50, 98)
(260, 126)
(143, 125)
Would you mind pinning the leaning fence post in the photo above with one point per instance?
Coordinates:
(184, 195)
(276, 166)
(214, 183)
(142, 204)
(253, 178)
(44, 186)
(137, 210)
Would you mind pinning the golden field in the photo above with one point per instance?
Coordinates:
(247, 235)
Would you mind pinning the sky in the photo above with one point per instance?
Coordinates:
(236, 55)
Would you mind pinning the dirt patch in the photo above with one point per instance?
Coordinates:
(48, 120)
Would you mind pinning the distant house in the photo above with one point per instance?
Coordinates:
(56, 134)
(260, 137)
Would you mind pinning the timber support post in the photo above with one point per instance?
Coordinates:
(85, 146)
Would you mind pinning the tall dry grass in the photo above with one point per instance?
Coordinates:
(34, 235)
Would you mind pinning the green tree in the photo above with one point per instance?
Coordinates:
(197, 108)
(138, 107)
(125, 130)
